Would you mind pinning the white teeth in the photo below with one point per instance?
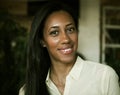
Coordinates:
(66, 51)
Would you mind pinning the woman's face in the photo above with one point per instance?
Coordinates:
(60, 37)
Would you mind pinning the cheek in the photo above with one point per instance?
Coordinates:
(75, 38)
(51, 43)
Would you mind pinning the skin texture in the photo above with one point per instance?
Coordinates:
(60, 37)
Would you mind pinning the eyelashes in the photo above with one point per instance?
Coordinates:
(56, 31)
(70, 30)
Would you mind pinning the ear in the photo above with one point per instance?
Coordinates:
(42, 43)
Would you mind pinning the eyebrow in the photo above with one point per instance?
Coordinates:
(58, 26)
(69, 24)
(55, 27)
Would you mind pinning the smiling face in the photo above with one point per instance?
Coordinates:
(60, 37)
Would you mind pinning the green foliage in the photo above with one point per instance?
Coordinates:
(13, 40)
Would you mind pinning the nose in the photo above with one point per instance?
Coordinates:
(65, 38)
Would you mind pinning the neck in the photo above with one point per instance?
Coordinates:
(60, 71)
(58, 76)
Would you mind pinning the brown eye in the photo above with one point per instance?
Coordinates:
(70, 30)
(54, 33)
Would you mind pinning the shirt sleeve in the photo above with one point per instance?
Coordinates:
(111, 82)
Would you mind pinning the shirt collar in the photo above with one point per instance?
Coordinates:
(48, 77)
(75, 71)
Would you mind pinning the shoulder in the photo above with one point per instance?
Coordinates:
(98, 69)
(98, 66)
(22, 90)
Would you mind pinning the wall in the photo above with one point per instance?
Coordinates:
(89, 29)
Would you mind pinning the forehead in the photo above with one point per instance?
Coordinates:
(58, 18)
(59, 15)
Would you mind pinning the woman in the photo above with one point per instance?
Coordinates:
(54, 68)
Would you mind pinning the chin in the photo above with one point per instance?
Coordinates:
(68, 59)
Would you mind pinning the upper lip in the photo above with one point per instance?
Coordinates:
(66, 47)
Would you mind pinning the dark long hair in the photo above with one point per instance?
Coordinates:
(38, 60)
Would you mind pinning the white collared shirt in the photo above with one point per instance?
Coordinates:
(88, 78)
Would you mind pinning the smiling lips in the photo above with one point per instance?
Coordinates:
(66, 51)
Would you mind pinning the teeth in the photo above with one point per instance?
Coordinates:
(65, 51)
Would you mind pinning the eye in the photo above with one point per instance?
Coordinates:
(70, 30)
(54, 33)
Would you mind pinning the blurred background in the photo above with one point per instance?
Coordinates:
(99, 36)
